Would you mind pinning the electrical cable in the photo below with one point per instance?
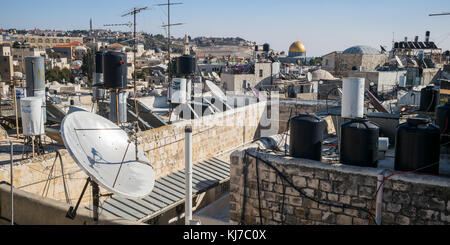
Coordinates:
(283, 216)
(259, 193)
(285, 133)
(328, 94)
(299, 190)
(7, 220)
(244, 199)
(431, 103)
(398, 173)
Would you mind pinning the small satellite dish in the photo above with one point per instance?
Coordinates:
(309, 76)
(102, 150)
(216, 91)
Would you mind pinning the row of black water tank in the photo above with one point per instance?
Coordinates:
(113, 66)
(417, 143)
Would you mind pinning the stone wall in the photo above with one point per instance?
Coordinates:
(33, 176)
(211, 135)
(296, 107)
(163, 146)
(407, 199)
(32, 209)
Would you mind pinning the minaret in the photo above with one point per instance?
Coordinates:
(90, 24)
(187, 47)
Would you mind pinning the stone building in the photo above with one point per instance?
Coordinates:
(44, 42)
(362, 58)
(262, 75)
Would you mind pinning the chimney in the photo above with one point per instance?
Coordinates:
(416, 39)
(406, 39)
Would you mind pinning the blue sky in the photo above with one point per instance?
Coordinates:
(322, 25)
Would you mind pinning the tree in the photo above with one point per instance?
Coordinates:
(141, 75)
(87, 68)
(56, 74)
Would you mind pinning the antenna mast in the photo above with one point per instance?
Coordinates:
(168, 36)
(134, 12)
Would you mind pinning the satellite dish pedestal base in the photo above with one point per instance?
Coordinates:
(72, 212)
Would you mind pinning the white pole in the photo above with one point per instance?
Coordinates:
(379, 202)
(188, 175)
(12, 183)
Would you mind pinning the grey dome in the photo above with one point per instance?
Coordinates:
(360, 49)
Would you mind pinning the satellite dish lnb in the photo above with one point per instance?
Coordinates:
(103, 151)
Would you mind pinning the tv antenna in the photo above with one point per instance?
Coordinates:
(134, 12)
(447, 13)
(108, 156)
(168, 4)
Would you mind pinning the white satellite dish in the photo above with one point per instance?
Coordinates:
(102, 150)
(216, 91)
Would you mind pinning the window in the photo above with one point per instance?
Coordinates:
(54, 41)
(261, 73)
(326, 62)
(61, 40)
(40, 40)
(47, 40)
(68, 41)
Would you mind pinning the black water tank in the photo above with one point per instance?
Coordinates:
(99, 62)
(186, 65)
(266, 47)
(256, 48)
(359, 143)
(429, 97)
(115, 70)
(173, 66)
(306, 132)
(417, 146)
(291, 92)
(442, 120)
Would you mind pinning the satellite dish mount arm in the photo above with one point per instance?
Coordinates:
(72, 212)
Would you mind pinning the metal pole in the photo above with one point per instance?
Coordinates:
(188, 175)
(32, 144)
(12, 183)
(95, 200)
(15, 109)
(117, 107)
(168, 52)
(379, 202)
(73, 210)
(134, 52)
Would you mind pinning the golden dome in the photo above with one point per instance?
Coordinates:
(297, 47)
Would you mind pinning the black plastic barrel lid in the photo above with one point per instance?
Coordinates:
(308, 117)
(418, 121)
